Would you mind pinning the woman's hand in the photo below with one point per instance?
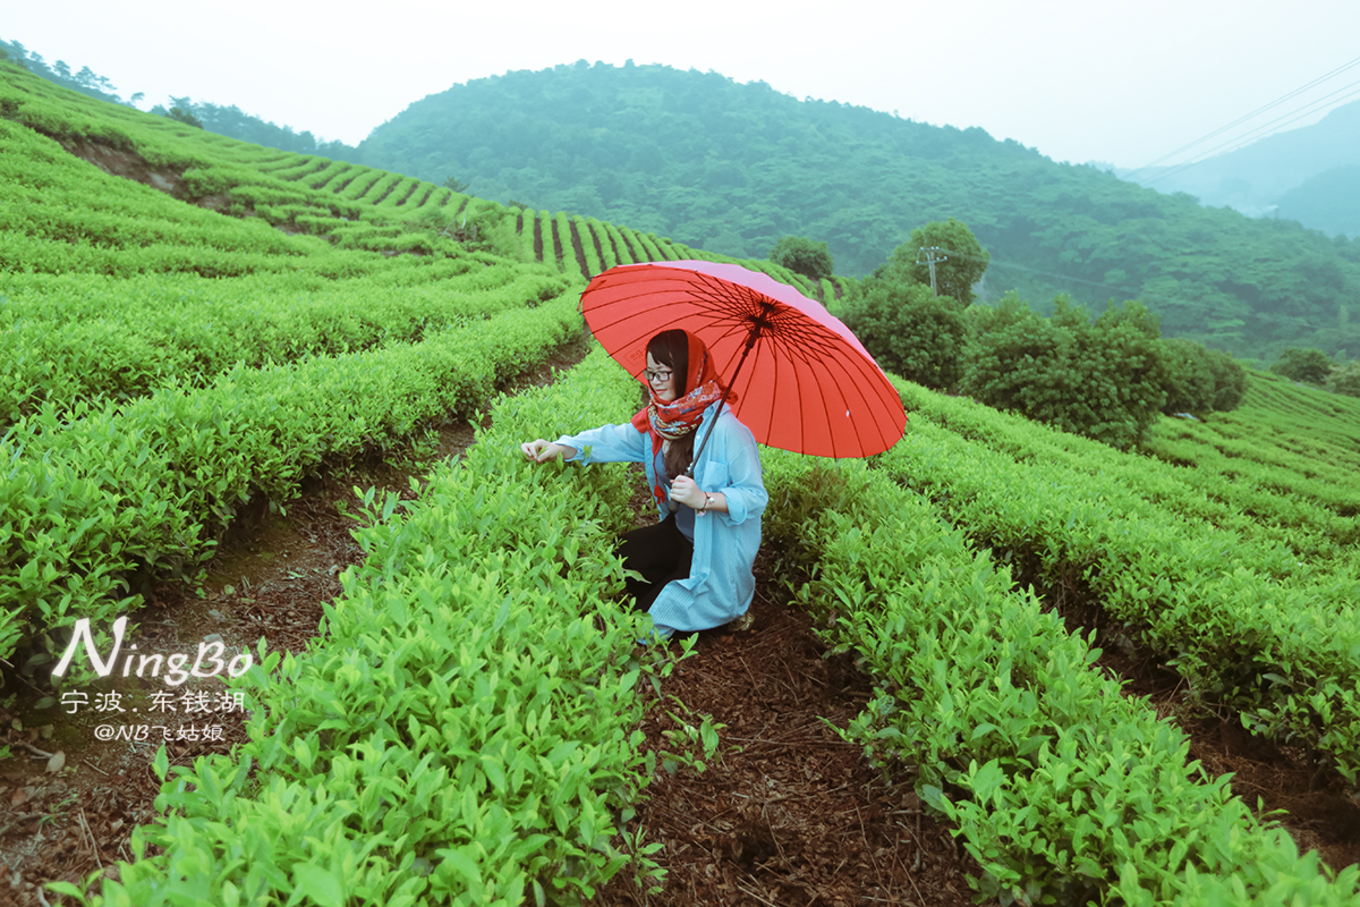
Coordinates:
(541, 451)
(685, 491)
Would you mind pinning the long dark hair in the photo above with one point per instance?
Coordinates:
(671, 349)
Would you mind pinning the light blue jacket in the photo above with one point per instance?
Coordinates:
(720, 585)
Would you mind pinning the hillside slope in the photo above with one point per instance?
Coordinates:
(732, 168)
(203, 341)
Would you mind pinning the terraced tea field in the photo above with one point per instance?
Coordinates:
(459, 712)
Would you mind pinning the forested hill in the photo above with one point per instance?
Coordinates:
(732, 168)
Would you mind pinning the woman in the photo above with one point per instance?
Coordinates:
(697, 561)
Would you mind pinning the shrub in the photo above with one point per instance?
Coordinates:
(1230, 380)
(1345, 380)
(1200, 379)
(803, 256)
(910, 331)
(1104, 380)
(1308, 366)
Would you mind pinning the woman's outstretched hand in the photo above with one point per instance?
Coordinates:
(541, 451)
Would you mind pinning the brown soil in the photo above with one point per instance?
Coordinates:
(558, 244)
(579, 250)
(130, 165)
(127, 164)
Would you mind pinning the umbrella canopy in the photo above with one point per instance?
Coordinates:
(801, 380)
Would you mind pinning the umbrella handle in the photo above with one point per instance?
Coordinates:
(750, 342)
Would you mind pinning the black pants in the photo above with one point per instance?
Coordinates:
(660, 553)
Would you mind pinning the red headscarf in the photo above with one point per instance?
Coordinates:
(680, 417)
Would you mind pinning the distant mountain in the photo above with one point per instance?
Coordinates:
(1328, 201)
(732, 168)
(1256, 179)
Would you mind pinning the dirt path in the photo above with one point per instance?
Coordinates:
(788, 813)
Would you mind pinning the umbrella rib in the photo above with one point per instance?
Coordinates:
(852, 380)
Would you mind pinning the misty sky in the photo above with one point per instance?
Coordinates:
(1080, 80)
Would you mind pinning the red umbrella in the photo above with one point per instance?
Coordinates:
(802, 381)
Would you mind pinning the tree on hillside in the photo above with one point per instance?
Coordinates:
(1345, 380)
(1230, 380)
(1308, 366)
(909, 331)
(961, 260)
(698, 157)
(1200, 379)
(803, 256)
(182, 113)
(1104, 380)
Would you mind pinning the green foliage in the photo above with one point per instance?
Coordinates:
(176, 465)
(232, 121)
(187, 117)
(1063, 789)
(1286, 458)
(454, 184)
(964, 260)
(909, 331)
(1104, 380)
(464, 729)
(1200, 380)
(700, 158)
(1251, 593)
(806, 257)
(85, 81)
(1345, 379)
(1190, 384)
(1308, 366)
(1230, 380)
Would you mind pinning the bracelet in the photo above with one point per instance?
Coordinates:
(708, 501)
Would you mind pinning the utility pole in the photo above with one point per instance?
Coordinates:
(932, 256)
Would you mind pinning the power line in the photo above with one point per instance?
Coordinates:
(1281, 99)
(1063, 277)
(1244, 140)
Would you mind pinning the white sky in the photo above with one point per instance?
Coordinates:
(1111, 80)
